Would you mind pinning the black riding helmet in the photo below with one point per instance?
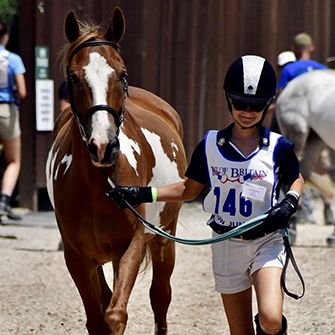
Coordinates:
(250, 80)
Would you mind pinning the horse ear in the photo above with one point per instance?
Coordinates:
(72, 30)
(117, 27)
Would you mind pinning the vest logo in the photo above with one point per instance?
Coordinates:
(237, 175)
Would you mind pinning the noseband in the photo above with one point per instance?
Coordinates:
(118, 116)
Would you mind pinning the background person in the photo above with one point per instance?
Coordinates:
(63, 97)
(245, 165)
(12, 89)
(284, 58)
(303, 48)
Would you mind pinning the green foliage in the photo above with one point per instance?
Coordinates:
(8, 10)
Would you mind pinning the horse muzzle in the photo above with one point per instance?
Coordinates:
(103, 154)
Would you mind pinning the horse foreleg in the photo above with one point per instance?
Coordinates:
(311, 154)
(85, 275)
(163, 261)
(106, 293)
(116, 313)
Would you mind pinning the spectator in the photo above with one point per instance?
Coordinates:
(12, 90)
(63, 96)
(284, 58)
(303, 47)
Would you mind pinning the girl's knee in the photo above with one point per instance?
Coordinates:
(270, 325)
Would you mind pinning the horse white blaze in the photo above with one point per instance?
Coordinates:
(97, 73)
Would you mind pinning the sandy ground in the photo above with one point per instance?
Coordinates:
(37, 295)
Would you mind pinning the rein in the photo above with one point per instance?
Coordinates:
(117, 115)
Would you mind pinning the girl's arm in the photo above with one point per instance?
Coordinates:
(298, 185)
(186, 190)
(21, 91)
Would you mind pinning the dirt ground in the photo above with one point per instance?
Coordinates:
(37, 295)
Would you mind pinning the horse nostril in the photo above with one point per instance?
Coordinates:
(112, 147)
(92, 148)
(104, 153)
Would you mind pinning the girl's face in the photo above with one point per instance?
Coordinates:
(246, 118)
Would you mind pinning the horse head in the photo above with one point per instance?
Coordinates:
(97, 84)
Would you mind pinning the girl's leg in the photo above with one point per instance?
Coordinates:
(238, 310)
(269, 299)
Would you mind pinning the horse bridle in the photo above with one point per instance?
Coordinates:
(118, 116)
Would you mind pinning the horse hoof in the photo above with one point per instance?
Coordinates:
(331, 241)
(60, 246)
(328, 215)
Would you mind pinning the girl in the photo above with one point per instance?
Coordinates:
(245, 165)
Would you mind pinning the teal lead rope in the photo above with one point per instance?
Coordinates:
(290, 257)
(232, 233)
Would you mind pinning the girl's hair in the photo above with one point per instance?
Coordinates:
(3, 28)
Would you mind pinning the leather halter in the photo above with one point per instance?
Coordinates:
(118, 116)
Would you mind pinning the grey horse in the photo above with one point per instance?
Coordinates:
(305, 112)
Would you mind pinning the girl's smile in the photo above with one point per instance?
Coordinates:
(247, 118)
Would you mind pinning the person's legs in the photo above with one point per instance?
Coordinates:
(269, 299)
(238, 310)
(12, 151)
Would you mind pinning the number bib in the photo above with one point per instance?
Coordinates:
(242, 189)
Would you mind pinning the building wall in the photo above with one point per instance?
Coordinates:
(179, 50)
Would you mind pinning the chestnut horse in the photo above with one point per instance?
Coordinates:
(129, 136)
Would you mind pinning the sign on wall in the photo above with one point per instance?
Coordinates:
(44, 105)
(44, 90)
(41, 62)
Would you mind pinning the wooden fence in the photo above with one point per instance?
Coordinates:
(179, 50)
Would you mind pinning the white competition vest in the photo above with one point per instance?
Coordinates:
(240, 190)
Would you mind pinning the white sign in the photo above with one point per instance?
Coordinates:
(44, 105)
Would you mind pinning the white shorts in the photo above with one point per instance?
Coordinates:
(235, 260)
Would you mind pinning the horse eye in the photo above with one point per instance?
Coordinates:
(74, 78)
